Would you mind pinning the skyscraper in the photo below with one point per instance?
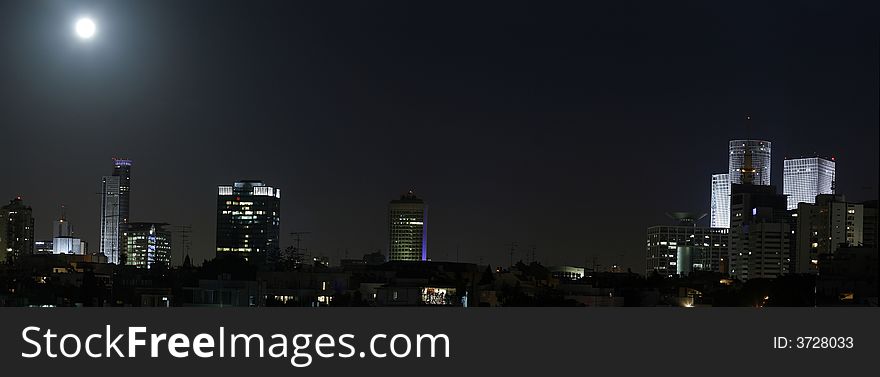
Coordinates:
(122, 169)
(760, 226)
(760, 155)
(408, 229)
(147, 244)
(805, 178)
(16, 231)
(720, 206)
(248, 218)
(758, 172)
(115, 199)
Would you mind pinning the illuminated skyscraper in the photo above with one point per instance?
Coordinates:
(122, 169)
(760, 154)
(248, 218)
(147, 244)
(805, 178)
(16, 231)
(115, 198)
(408, 229)
(720, 206)
(759, 174)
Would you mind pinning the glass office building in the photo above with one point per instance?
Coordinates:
(248, 218)
(760, 152)
(408, 229)
(720, 207)
(806, 178)
(147, 244)
(115, 199)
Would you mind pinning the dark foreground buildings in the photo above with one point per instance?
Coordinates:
(16, 231)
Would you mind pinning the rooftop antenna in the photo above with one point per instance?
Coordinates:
(184, 232)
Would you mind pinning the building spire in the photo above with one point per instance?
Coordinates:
(747, 173)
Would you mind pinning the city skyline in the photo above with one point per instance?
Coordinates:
(538, 126)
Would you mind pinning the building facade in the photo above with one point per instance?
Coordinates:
(682, 248)
(248, 219)
(805, 178)
(719, 213)
(16, 231)
(408, 229)
(761, 232)
(760, 160)
(825, 226)
(147, 244)
(115, 205)
(68, 245)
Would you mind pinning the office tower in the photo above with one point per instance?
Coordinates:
(16, 231)
(407, 229)
(147, 244)
(758, 173)
(720, 206)
(760, 232)
(759, 150)
(684, 247)
(805, 178)
(111, 234)
(248, 219)
(115, 203)
(825, 226)
(122, 169)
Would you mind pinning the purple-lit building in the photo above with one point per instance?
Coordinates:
(408, 229)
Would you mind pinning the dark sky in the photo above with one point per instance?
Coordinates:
(571, 127)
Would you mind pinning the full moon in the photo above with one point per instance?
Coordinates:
(85, 28)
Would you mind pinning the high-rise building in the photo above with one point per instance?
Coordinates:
(825, 226)
(122, 169)
(758, 172)
(408, 229)
(248, 219)
(805, 178)
(147, 244)
(115, 204)
(16, 231)
(111, 235)
(760, 156)
(720, 207)
(760, 232)
(684, 247)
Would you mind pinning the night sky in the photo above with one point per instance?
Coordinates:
(570, 127)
